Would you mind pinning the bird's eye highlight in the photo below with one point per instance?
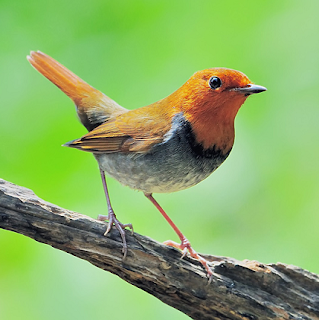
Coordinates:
(215, 83)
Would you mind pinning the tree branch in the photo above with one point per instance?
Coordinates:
(238, 290)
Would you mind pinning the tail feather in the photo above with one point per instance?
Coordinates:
(93, 107)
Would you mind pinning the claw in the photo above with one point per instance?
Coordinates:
(185, 246)
(112, 220)
(184, 253)
(102, 217)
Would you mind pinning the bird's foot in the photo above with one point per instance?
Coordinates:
(185, 246)
(111, 218)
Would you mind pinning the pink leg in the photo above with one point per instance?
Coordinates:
(185, 244)
(111, 217)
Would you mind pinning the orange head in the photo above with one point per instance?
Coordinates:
(210, 100)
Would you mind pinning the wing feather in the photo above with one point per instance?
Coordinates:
(135, 131)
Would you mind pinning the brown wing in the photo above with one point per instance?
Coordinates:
(135, 131)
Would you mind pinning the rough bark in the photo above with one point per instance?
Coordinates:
(238, 290)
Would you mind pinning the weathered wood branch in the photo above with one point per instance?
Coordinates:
(238, 290)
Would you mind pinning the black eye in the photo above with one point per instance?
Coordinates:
(215, 82)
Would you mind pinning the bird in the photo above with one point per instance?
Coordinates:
(164, 147)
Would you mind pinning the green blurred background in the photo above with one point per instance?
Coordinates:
(263, 202)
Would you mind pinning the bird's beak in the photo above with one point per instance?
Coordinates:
(250, 89)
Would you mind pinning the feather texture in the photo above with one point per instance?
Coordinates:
(134, 131)
(93, 107)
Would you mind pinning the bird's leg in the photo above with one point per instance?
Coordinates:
(111, 217)
(185, 244)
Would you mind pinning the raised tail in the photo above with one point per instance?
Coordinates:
(93, 107)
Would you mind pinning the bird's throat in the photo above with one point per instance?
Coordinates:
(214, 151)
(213, 133)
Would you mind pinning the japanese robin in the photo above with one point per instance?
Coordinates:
(167, 146)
